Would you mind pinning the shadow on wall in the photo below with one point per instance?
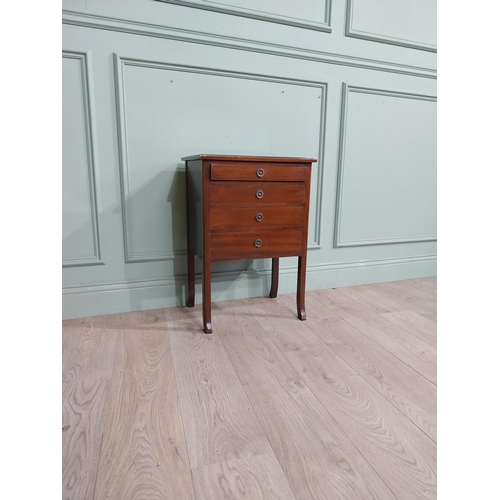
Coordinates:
(148, 244)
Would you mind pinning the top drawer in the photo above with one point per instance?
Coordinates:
(259, 172)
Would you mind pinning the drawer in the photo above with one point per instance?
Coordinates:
(258, 193)
(258, 172)
(256, 218)
(256, 244)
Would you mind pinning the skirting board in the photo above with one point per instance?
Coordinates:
(115, 298)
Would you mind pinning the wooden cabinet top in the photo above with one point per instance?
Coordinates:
(268, 159)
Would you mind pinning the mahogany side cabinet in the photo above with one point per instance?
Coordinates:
(246, 207)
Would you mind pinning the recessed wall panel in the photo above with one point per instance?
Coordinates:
(387, 168)
(80, 242)
(167, 112)
(189, 81)
(310, 14)
(409, 23)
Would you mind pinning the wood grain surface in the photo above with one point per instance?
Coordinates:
(219, 421)
(406, 389)
(404, 458)
(416, 324)
(410, 349)
(342, 405)
(407, 298)
(88, 349)
(257, 477)
(371, 299)
(143, 452)
(83, 418)
(402, 455)
(294, 420)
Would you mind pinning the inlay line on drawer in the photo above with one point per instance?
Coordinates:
(256, 244)
(256, 217)
(257, 172)
(255, 192)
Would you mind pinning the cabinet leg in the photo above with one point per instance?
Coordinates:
(190, 287)
(207, 295)
(274, 278)
(301, 289)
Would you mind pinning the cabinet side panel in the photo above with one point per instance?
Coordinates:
(195, 206)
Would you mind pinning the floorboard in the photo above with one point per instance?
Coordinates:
(372, 299)
(412, 394)
(340, 406)
(402, 456)
(408, 348)
(88, 349)
(219, 421)
(256, 477)
(416, 324)
(84, 404)
(144, 451)
(317, 457)
(393, 291)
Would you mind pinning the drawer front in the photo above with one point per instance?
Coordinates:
(256, 218)
(258, 172)
(258, 193)
(256, 244)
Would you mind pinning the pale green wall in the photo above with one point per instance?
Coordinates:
(147, 82)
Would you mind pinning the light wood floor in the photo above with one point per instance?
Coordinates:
(341, 406)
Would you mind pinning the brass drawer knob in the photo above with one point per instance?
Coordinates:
(260, 172)
(259, 194)
(259, 217)
(258, 243)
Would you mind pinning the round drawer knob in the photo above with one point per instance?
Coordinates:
(259, 217)
(258, 242)
(259, 194)
(260, 172)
